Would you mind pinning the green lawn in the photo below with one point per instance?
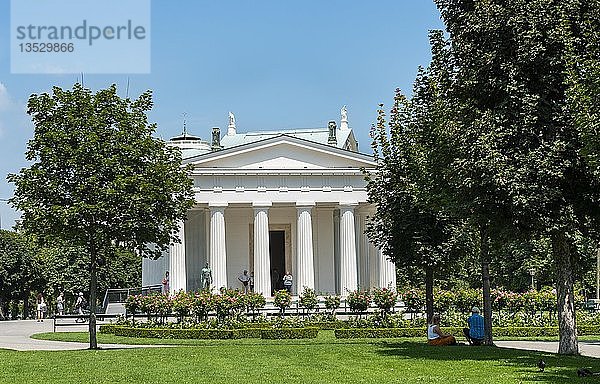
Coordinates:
(323, 360)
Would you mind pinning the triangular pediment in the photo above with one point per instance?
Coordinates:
(282, 153)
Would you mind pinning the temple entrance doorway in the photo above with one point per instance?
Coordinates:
(277, 258)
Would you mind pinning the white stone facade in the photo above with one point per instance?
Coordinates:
(282, 200)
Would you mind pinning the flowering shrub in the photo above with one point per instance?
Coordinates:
(254, 301)
(282, 300)
(308, 298)
(161, 305)
(229, 302)
(201, 303)
(181, 304)
(414, 300)
(358, 300)
(133, 304)
(332, 303)
(385, 299)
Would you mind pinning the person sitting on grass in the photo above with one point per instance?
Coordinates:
(435, 336)
(475, 333)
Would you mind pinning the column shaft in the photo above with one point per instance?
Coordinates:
(305, 270)
(262, 261)
(387, 271)
(348, 267)
(218, 252)
(177, 272)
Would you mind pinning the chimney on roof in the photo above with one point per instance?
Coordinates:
(216, 139)
(332, 127)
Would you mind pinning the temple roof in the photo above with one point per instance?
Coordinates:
(318, 135)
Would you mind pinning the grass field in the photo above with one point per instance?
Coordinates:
(322, 360)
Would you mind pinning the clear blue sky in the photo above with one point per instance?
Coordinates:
(275, 64)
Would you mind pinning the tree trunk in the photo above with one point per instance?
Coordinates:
(429, 292)
(93, 284)
(3, 314)
(567, 328)
(484, 249)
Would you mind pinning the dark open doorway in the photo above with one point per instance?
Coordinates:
(277, 257)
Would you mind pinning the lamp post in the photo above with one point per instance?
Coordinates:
(532, 273)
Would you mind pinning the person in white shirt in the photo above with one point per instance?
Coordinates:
(287, 281)
(245, 280)
(435, 336)
(60, 304)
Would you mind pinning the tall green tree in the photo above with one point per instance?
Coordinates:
(519, 149)
(99, 179)
(408, 224)
(21, 271)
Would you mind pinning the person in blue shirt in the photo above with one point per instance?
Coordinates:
(475, 333)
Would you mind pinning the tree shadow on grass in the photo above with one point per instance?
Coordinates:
(559, 369)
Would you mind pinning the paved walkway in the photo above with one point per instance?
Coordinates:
(16, 334)
(586, 348)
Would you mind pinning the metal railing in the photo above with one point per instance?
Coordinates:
(120, 295)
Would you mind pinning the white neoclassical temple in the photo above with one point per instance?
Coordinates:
(276, 201)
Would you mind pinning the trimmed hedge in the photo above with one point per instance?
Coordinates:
(173, 333)
(212, 334)
(108, 328)
(351, 333)
(354, 333)
(247, 333)
(289, 333)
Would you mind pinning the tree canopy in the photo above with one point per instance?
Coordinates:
(99, 179)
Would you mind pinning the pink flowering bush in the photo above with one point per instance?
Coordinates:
(133, 303)
(385, 299)
(253, 302)
(228, 303)
(359, 301)
(181, 304)
(201, 304)
(414, 300)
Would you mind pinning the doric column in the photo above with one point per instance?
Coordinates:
(217, 258)
(177, 272)
(262, 262)
(305, 269)
(348, 271)
(387, 271)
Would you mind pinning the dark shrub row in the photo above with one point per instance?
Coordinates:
(351, 333)
(211, 334)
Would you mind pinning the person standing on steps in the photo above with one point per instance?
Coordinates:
(245, 280)
(287, 281)
(165, 284)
